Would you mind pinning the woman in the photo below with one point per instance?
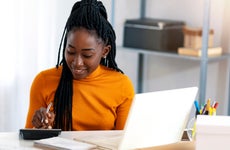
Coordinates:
(87, 90)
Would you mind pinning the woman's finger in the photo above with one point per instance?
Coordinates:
(38, 118)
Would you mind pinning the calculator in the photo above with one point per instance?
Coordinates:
(37, 134)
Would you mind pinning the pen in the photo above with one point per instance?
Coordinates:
(203, 110)
(48, 107)
(197, 107)
(208, 104)
(47, 110)
(207, 107)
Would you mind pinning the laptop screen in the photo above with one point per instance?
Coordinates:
(158, 118)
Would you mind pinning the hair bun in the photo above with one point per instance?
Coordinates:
(102, 9)
(94, 4)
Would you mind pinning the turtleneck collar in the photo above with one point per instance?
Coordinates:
(94, 75)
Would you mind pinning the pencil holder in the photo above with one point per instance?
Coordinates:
(207, 109)
(191, 127)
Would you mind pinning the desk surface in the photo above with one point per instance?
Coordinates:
(11, 140)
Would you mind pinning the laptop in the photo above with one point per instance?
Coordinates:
(158, 118)
(155, 119)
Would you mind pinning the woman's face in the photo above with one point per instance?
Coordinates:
(83, 52)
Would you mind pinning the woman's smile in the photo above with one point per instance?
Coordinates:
(79, 71)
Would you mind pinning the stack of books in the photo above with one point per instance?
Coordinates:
(193, 43)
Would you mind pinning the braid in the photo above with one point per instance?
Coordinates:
(63, 101)
(91, 15)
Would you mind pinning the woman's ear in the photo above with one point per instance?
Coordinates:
(106, 50)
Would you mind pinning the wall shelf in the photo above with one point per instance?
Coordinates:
(224, 56)
(142, 52)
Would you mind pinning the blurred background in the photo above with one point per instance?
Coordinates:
(31, 32)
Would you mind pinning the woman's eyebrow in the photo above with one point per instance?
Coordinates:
(84, 49)
(71, 46)
(87, 49)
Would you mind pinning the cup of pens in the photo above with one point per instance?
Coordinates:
(206, 109)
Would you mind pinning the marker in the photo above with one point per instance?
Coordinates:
(214, 111)
(197, 107)
(210, 111)
(208, 104)
(215, 105)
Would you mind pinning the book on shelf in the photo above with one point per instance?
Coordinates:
(212, 51)
(58, 143)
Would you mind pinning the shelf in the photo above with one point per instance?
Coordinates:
(224, 56)
(142, 52)
(204, 60)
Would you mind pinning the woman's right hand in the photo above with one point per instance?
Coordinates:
(42, 119)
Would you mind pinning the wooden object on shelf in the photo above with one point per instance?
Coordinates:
(193, 37)
(212, 51)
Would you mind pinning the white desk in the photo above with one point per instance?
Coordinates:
(12, 141)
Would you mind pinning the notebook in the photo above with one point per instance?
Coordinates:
(155, 118)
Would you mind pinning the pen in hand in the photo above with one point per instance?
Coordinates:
(47, 110)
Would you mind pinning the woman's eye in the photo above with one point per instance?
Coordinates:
(70, 53)
(87, 56)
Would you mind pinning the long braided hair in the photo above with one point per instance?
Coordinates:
(92, 15)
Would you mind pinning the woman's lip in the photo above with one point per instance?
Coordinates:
(79, 71)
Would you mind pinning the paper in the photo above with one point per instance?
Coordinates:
(103, 142)
(59, 143)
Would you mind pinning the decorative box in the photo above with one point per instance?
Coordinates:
(193, 37)
(153, 34)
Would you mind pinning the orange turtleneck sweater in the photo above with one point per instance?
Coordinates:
(101, 101)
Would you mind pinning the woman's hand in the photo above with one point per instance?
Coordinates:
(43, 119)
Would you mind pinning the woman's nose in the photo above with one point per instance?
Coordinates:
(78, 61)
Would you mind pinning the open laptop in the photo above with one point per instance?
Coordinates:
(155, 118)
(158, 118)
